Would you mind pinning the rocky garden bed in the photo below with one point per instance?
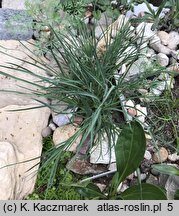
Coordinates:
(96, 87)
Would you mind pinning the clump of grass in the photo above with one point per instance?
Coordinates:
(85, 81)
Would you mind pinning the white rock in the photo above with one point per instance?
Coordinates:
(143, 176)
(63, 133)
(102, 153)
(169, 81)
(141, 113)
(173, 40)
(164, 76)
(147, 136)
(8, 155)
(154, 39)
(129, 104)
(112, 167)
(158, 89)
(147, 155)
(15, 48)
(164, 37)
(22, 131)
(144, 30)
(52, 126)
(162, 59)
(137, 67)
(150, 53)
(175, 54)
(123, 69)
(158, 47)
(173, 157)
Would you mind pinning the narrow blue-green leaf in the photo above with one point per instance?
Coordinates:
(144, 192)
(130, 149)
(166, 169)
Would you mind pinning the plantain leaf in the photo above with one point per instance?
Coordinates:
(166, 169)
(144, 192)
(91, 191)
(130, 149)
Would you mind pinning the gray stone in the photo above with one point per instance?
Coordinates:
(99, 31)
(101, 153)
(62, 119)
(156, 45)
(162, 59)
(137, 67)
(173, 40)
(158, 89)
(145, 31)
(175, 54)
(83, 167)
(15, 25)
(47, 131)
(171, 186)
(152, 180)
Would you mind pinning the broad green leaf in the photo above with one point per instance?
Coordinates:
(144, 192)
(91, 191)
(166, 169)
(130, 149)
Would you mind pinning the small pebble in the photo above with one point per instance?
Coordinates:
(143, 91)
(143, 176)
(147, 136)
(131, 176)
(132, 112)
(46, 132)
(152, 180)
(147, 155)
(161, 155)
(52, 126)
(173, 157)
(102, 187)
